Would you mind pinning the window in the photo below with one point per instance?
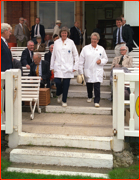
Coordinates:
(51, 11)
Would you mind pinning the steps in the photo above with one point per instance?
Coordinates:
(89, 142)
(62, 157)
(57, 172)
(75, 139)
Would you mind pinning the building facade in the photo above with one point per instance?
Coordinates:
(90, 14)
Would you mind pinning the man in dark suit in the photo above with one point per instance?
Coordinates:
(6, 57)
(37, 30)
(47, 56)
(27, 55)
(40, 68)
(17, 65)
(122, 36)
(76, 36)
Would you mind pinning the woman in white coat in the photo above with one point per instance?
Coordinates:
(64, 61)
(92, 59)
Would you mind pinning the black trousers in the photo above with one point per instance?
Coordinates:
(96, 91)
(43, 82)
(62, 86)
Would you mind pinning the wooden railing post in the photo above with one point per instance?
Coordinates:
(17, 111)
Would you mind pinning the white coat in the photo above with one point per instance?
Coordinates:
(87, 63)
(64, 58)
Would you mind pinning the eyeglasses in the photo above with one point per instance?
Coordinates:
(122, 49)
(94, 39)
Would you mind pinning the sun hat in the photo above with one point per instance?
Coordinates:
(58, 21)
(81, 79)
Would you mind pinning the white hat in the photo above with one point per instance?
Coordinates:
(80, 79)
(58, 21)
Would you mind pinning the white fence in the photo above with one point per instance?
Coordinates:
(11, 114)
(119, 80)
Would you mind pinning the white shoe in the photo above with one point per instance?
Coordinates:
(97, 105)
(59, 99)
(89, 100)
(64, 104)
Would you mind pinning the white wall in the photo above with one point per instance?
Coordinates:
(131, 12)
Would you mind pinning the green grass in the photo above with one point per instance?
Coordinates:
(131, 172)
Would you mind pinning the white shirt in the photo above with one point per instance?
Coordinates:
(64, 58)
(121, 39)
(87, 64)
(38, 30)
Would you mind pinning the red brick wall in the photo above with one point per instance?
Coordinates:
(15, 10)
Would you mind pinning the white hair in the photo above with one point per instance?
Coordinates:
(29, 42)
(5, 26)
(38, 55)
(95, 34)
(124, 47)
(51, 45)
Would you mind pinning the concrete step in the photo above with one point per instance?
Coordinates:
(88, 142)
(80, 105)
(110, 51)
(56, 172)
(106, 82)
(62, 157)
(67, 127)
(81, 91)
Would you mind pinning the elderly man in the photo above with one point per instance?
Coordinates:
(76, 36)
(6, 57)
(20, 33)
(57, 27)
(27, 55)
(39, 47)
(37, 30)
(40, 68)
(123, 60)
(122, 36)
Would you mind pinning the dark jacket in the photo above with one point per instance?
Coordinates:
(126, 35)
(25, 57)
(6, 57)
(17, 65)
(42, 32)
(74, 35)
(45, 70)
(47, 57)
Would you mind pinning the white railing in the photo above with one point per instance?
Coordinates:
(119, 80)
(11, 105)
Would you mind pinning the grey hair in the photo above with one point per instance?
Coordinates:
(21, 18)
(95, 34)
(29, 42)
(38, 55)
(64, 29)
(51, 45)
(5, 26)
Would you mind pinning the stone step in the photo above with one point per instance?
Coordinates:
(88, 142)
(57, 173)
(81, 91)
(80, 105)
(106, 82)
(69, 126)
(54, 156)
(108, 51)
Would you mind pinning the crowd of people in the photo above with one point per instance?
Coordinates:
(65, 55)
